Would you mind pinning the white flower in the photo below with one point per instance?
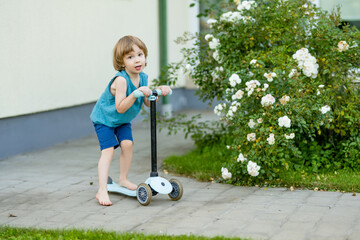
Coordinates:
(325, 109)
(310, 67)
(214, 43)
(227, 17)
(271, 139)
(265, 87)
(284, 122)
(228, 91)
(321, 86)
(293, 73)
(215, 75)
(211, 22)
(218, 109)
(241, 158)
(306, 62)
(216, 56)
(270, 76)
(354, 45)
(247, 19)
(234, 79)
(301, 53)
(208, 37)
(284, 99)
(231, 17)
(252, 62)
(188, 67)
(251, 85)
(342, 46)
(259, 120)
(253, 168)
(267, 100)
(233, 108)
(291, 136)
(246, 5)
(225, 173)
(251, 137)
(251, 123)
(238, 95)
(235, 104)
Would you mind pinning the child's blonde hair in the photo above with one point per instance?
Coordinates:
(123, 47)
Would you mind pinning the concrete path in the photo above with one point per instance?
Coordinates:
(55, 188)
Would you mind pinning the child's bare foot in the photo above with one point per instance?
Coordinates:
(103, 198)
(129, 185)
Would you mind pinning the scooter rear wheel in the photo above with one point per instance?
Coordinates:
(143, 194)
(177, 191)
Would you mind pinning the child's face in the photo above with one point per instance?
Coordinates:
(135, 61)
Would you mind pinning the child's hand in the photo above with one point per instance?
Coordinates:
(165, 90)
(146, 91)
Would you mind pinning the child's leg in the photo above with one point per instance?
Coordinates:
(103, 171)
(125, 163)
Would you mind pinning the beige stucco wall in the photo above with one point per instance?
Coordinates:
(178, 24)
(58, 53)
(350, 9)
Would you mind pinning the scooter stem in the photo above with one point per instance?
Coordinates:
(154, 172)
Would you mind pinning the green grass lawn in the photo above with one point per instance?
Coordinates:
(205, 165)
(31, 233)
(202, 165)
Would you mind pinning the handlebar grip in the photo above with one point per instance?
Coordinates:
(138, 93)
(159, 92)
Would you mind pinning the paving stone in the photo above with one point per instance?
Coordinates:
(331, 230)
(289, 234)
(56, 187)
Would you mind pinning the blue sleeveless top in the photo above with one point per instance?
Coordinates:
(104, 111)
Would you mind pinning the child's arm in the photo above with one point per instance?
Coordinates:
(146, 102)
(122, 102)
(165, 90)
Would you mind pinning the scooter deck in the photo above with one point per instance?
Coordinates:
(114, 187)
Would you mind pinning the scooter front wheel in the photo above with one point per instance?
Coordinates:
(177, 191)
(143, 194)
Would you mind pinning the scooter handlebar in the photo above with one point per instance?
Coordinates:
(138, 93)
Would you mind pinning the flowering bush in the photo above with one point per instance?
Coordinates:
(283, 72)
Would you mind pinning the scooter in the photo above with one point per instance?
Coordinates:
(154, 184)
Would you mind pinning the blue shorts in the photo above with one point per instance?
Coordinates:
(112, 136)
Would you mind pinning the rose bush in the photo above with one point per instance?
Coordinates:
(284, 73)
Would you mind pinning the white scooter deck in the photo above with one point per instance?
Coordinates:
(114, 187)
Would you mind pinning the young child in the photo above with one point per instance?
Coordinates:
(116, 108)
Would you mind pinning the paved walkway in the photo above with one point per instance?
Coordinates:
(55, 188)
